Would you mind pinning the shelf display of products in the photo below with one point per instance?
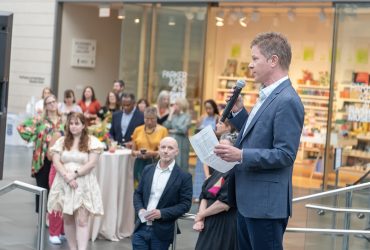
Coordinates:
(249, 93)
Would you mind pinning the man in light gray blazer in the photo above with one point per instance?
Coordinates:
(266, 147)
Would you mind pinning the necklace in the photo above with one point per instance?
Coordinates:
(148, 131)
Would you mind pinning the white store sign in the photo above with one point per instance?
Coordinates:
(83, 53)
(177, 82)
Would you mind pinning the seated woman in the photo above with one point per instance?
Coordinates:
(145, 141)
(216, 219)
(112, 104)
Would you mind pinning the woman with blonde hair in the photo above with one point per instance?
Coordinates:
(39, 105)
(40, 130)
(163, 106)
(75, 191)
(178, 124)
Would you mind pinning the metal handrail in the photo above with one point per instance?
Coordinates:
(42, 192)
(338, 209)
(331, 192)
(326, 230)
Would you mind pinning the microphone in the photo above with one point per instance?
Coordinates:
(238, 88)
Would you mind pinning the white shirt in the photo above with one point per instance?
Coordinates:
(160, 179)
(125, 121)
(264, 93)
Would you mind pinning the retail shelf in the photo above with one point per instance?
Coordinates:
(316, 108)
(326, 98)
(243, 92)
(313, 87)
(224, 103)
(352, 100)
(357, 154)
(235, 78)
(363, 137)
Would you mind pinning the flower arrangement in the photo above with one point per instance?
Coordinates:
(101, 131)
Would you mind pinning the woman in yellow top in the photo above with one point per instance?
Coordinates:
(145, 141)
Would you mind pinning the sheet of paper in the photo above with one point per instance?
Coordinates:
(142, 216)
(203, 144)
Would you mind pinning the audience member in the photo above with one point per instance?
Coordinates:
(75, 191)
(118, 88)
(216, 218)
(142, 104)
(178, 123)
(39, 105)
(112, 104)
(126, 120)
(145, 142)
(89, 105)
(201, 170)
(69, 105)
(56, 229)
(40, 130)
(163, 195)
(163, 106)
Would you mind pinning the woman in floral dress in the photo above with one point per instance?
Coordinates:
(40, 130)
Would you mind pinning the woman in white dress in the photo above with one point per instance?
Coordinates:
(75, 191)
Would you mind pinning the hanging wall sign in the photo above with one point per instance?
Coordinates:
(83, 53)
(177, 82)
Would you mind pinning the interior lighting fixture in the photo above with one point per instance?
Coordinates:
(201, 14)
(233, 17)
(243, 22)
(189, 15)
(104, 10)
(171, 21)
(255, 15)
(219, 23)
(220, 16)
(322, 15)
(121, 13)
(137, 20)
(291, 15)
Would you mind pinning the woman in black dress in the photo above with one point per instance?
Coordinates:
(216, 219)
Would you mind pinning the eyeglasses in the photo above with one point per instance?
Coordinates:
(51, 102)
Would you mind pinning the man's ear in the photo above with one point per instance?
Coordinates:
(274, 61)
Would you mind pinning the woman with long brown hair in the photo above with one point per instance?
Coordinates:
(75, 191)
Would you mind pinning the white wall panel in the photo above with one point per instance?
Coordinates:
(32, 44)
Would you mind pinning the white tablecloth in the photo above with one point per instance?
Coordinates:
(116, 181)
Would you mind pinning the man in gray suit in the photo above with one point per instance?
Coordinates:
(266, 147)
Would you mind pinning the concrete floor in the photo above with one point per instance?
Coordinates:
(18, 222)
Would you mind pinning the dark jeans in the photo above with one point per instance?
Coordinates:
(258, 234)
(42, 179)
(145, 239)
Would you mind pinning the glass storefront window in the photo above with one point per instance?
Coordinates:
(309, 31)
(351, 129)
(164, 50)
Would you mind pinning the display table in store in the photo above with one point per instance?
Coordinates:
(116, 181)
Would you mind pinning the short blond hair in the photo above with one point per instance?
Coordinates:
(183, 104)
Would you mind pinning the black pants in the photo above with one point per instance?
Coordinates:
(42, 179)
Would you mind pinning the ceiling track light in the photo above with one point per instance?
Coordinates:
(121, 13)
(243, 22)
(291, 15)
(189, 15)
(220, 15)
(219, 23)
(255, 15)
(322, 15)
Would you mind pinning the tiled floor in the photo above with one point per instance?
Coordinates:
(18, 222)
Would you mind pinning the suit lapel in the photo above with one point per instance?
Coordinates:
(171, 181)
(267, 102)
(148, 187)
